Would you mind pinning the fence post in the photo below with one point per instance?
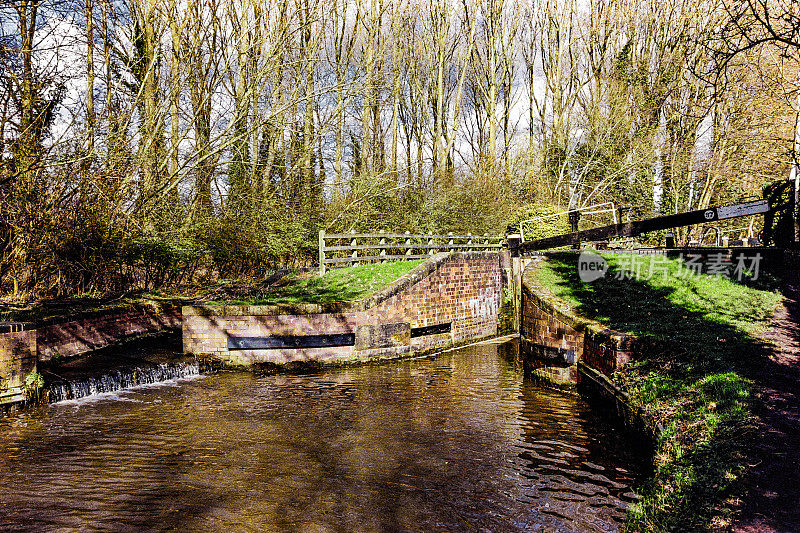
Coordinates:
(469, 242)
(354, 255)
(408, 243)
(516, 278)
(430, 245)
(322, 252)
(381, 243)
(450, 241)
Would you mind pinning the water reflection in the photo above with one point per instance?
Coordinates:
(458, 442)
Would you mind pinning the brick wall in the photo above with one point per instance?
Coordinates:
(17, 358)
(78, 335)
(206, 330)
(543, 325)
(606, 350)
(548, 322)
(463, 289)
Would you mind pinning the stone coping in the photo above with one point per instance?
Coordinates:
(122, 307)
(399, 285)
(268, 310)
(566, 313)
(634, 417)
(10, 397)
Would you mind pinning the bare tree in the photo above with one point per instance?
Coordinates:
(201, 62)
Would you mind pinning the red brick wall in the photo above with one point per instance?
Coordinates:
(607, 351)
(547, 322)
(463, 289)
(540, 324)
(89, 332)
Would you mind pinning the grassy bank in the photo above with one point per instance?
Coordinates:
(694, 378)
(338, 285)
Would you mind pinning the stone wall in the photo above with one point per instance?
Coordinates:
(22, 345)
(606, 350)
(17, 359)
(462, 290)
(90, 331)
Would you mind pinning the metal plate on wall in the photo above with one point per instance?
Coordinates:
(291, 341)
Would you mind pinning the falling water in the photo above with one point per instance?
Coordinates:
(120, 379)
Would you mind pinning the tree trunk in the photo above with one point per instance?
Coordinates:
(90, 114)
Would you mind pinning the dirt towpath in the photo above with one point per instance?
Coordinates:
(773, 479)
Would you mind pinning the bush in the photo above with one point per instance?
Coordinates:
(161, 259)
(548, 227)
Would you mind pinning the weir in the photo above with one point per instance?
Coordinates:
(118, 380)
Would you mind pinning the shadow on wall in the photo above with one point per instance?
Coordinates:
(84, 334)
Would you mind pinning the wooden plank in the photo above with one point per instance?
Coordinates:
(407, 236)
(366, 259)
(408, 246)
(291, 341)
(436, 329)
(321, 245)
(741, 210)
(633, 229)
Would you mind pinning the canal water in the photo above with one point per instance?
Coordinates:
(457, 442)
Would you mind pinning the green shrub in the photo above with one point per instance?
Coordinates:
(548, 227)
(34, 383)
(505, 315)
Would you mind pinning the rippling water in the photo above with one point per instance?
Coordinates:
(458, 442)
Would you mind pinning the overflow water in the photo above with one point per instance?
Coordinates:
(119, 380)
(111, 370)
(458, 442)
